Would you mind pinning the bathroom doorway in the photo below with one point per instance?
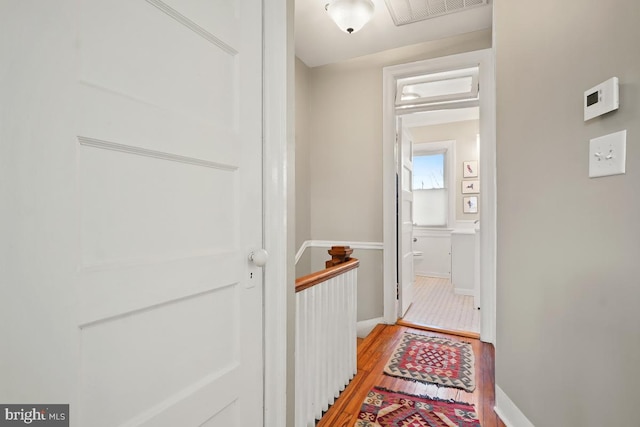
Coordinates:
(416, 91)
(444, 159)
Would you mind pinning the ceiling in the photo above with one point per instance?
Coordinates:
(318, 41)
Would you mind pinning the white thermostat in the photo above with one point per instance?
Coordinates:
(601, 99)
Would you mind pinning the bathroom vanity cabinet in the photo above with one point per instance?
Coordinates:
(463, 261)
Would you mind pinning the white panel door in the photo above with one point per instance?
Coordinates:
(405, 217)
(132, 192)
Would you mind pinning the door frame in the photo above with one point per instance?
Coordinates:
(279, 274)
(488, 197)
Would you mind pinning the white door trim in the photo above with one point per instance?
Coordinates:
(488, 197)
(277, 66)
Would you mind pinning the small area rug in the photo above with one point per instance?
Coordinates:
(433, 360)
(384, 408)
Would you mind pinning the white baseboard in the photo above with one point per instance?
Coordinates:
(508, 412)
(460, 291)
(365, 327)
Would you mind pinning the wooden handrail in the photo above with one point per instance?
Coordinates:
(339, 254)
(313, 279)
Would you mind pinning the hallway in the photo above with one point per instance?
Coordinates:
(374, 352)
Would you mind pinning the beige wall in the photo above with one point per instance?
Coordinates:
(345, 134)
(465, 134)
(302, 135)
(568, 335)
(302, 164)
(346, 178)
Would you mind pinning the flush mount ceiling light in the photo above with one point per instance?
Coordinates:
(350, 15)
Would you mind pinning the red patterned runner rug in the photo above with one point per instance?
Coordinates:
(433, 360)
(384, 408)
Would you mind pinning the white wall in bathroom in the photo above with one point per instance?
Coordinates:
(435, 246)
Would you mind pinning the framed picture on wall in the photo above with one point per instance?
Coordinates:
(470, 169)
(471, 186)
(470, 204)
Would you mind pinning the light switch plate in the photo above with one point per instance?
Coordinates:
(607, 154)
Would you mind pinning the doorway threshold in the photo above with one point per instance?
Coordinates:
(432, 328)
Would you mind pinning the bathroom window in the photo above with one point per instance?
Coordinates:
(428, 172)
(431, 198)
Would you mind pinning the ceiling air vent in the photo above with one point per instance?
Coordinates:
(408, 11)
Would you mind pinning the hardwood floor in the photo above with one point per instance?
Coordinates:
(373, 354)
